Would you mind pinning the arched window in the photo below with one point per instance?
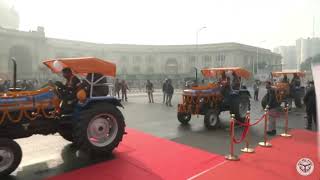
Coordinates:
(150, 60)
(191, 63)
(150, 70)
(137, 60)
(206, 61)
(171, 66)
(220, 59)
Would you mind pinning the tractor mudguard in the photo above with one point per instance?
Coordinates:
(245, 91)
(96, 100)
(108, 99)
(235, 93)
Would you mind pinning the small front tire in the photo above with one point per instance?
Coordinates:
(184, 118)
(211, 119)
(10, 156)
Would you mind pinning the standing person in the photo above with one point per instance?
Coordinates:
(169, 93)
(124, 88)
(72, 82)
(2, 87)
(285, 79)
(256, 90)
(164, 90)
(24, 85)
(117, 86)
(235, 81)
(311, 109)
(273, 106)
(149, 89)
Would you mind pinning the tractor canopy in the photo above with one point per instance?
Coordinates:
(282, 73)
(82, 65)
(213, 72)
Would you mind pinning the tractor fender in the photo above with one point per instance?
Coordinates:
(244, 91)
(93, 101)
(108, 99)
(236, 93)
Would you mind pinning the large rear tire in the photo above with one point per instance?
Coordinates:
(211, 119)
(10, 156)
(67, 134)
(99, 129)
(184, 118)
(297, 102)
(240, 105)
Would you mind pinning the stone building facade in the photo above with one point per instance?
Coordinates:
(133, 61)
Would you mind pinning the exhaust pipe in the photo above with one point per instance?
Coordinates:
(14, 73)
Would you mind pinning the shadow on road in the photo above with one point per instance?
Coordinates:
(71, 159)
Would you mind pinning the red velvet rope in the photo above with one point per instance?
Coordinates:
(244, 133)
(253, 124)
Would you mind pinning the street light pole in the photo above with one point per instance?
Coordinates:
(257, 62)
(197, 38)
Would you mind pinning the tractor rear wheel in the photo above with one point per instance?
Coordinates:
(10, 156)
(239, 106)
(184, 118)
(297, 102)
(99, 129)
(67, 134)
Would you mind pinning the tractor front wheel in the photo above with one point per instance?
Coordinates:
(10, 156)
(211, 119)
(184, 118)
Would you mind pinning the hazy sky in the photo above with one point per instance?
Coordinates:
(279, 22)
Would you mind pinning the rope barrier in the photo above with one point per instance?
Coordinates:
(253, 124)
(243, 136)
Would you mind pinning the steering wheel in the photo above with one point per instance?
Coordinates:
(60, 89)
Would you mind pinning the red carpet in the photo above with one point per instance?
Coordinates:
(275, 163)
(145, 157)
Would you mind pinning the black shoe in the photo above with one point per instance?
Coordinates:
(272, 133)
(308, 128)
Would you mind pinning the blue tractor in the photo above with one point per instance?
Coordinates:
(91, 120)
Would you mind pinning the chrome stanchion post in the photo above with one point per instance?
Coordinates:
(247, 149)
(265, 143)
(231, 156)
(286, 134)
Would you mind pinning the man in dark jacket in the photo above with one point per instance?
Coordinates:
(72, 82)
(164, 90)
(273, 107)
(149, 89)
(311, 109)
(169, 93)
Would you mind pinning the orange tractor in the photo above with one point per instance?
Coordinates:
(91, 121)
(217, 96)
(287, 90)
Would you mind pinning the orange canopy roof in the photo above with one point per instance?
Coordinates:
(211, 72)
(278, 74)
(82, 65)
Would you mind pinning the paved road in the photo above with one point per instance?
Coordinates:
(47, 156)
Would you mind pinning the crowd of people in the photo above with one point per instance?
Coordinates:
(121, 88)
(274, 105)
(26, 85)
